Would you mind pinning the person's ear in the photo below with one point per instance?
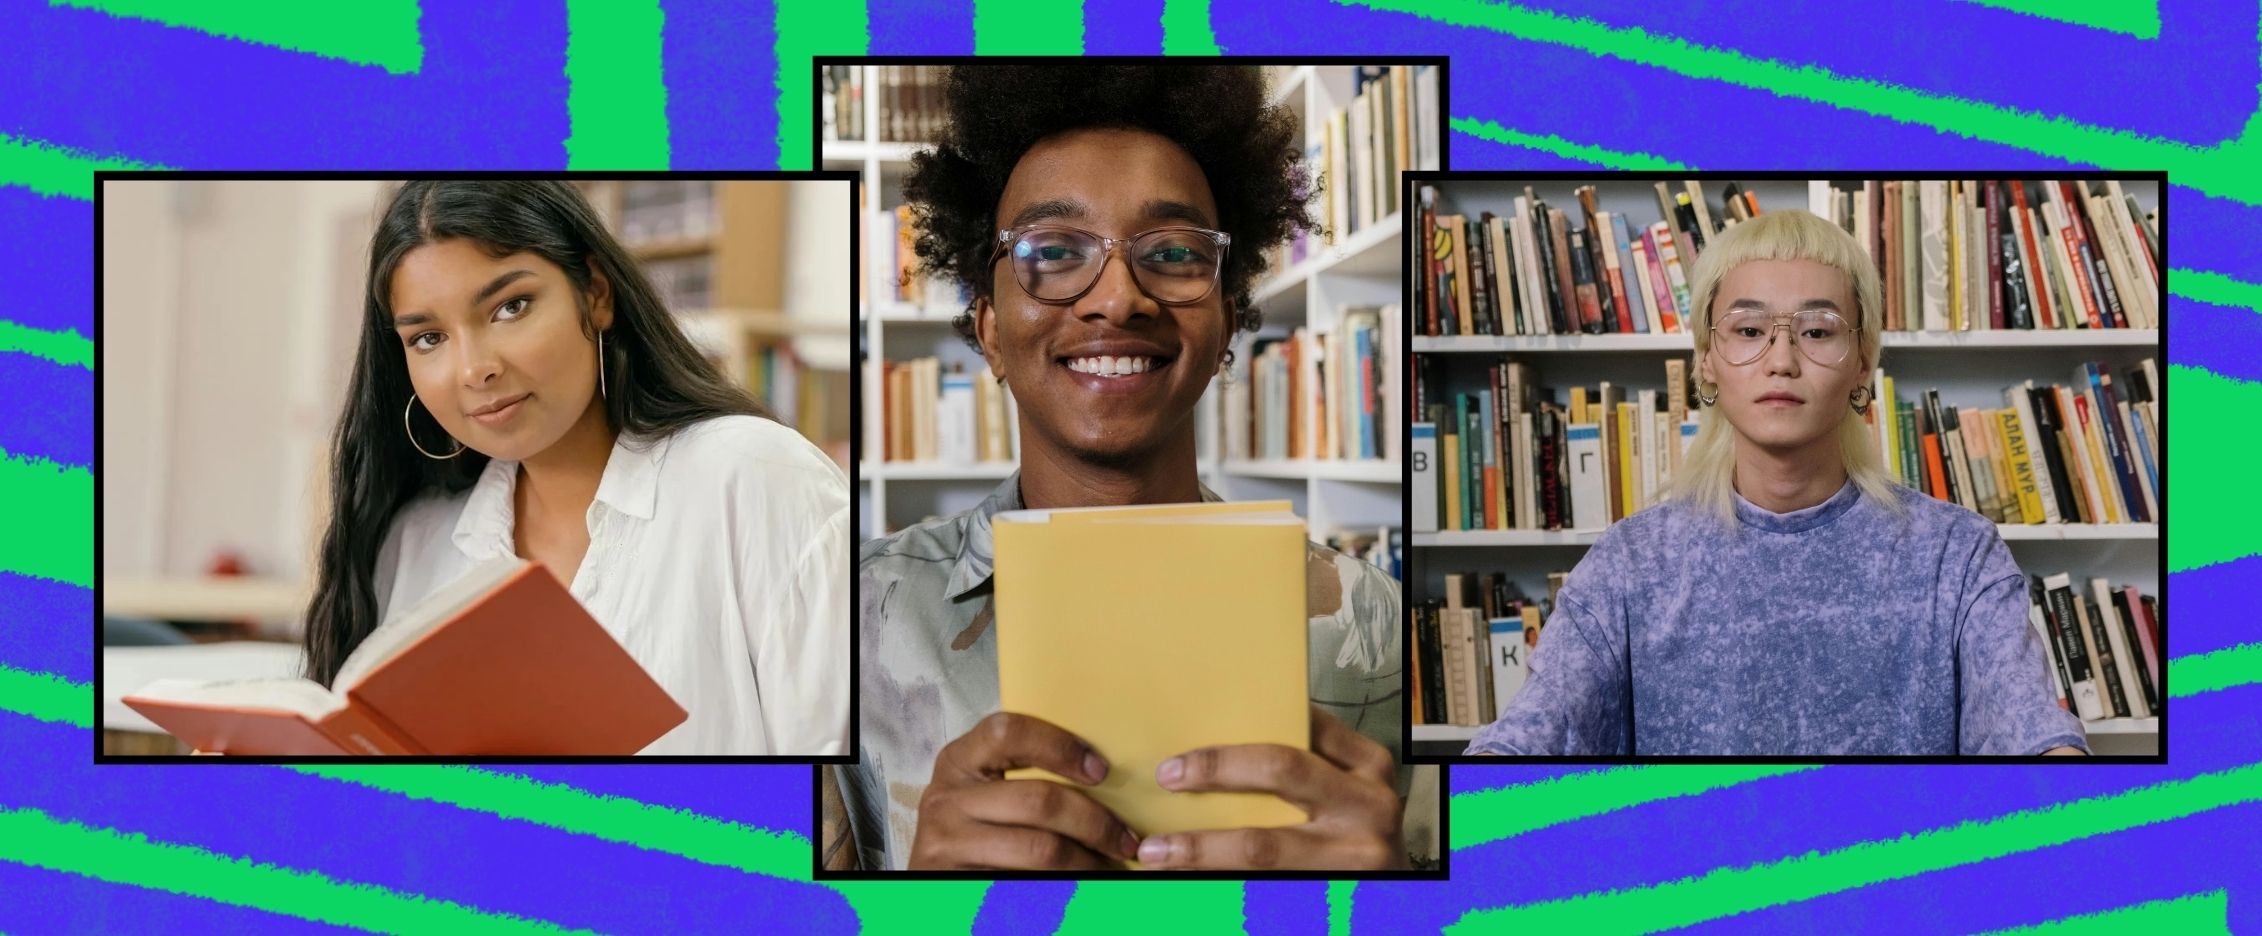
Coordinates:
(600, 298)
(985, 334)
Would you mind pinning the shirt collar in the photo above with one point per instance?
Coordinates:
(1802, 520)
(631, 485)
(972, 570)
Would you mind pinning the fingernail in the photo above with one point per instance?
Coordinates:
(1130, 844)
(1155, 851)
(1170, 771)
(1094, 767)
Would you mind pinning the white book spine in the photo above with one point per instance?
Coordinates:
(1511, 663)
(2123, 660)
(954, 415)
(1932, 205)
(1425, 473)
(1590, 510)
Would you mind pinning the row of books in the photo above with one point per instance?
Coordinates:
(1383, 547)
(1959, 255)
(2106, 645)
(1471, 651)
(909, 97)
(684, 283)
(1533, 273)
(1511, 458)
(897, 276)
(1390, 127)
(1318, 395)
(2088, 452)
(930, 413)
(666, 209)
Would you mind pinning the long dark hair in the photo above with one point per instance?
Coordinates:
(374, 472)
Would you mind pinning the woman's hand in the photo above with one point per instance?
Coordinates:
(972, 817)
(1345, 783)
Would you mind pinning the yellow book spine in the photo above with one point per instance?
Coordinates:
(1891, 417)
(2022, 466)
(1627, 483)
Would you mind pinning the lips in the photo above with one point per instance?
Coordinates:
(1780, 398)
(500, 411)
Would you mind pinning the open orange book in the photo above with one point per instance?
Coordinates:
(1151, 631)
(501, 661)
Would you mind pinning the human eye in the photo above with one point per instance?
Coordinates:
(422, 342)
(514, 309)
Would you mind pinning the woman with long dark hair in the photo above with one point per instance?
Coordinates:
(520, 390)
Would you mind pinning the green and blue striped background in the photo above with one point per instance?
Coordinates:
(1543, 84)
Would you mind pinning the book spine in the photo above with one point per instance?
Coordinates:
(1582, 278)
(1566, 283)
(2124, 658)
(1550, 483)
(2093, 253)
(1990, 200)
(1670, 258)
(2042, 307)
(2108, 669)
(1623, 281)
(2148, 644)
(1660, 291)
(2087, 703)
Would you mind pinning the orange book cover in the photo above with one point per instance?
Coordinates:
(502, 661)
(1934, 480)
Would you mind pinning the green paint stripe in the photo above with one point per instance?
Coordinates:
(617, 96)
(2223, 170)
(367, 32)
(1186, 28)
(1491, 815)
(46, 696)
(2215, 288)
(1195, 908)
(50, 508)
(31, 837)
(2216, 670)
(2213, 462)
(2196, 914)
(63, 347)
(2139, 18)
(1340, 894)
(53, 170)
(1726, 892)
(804, 31)
(1613, 159)
(1013, 27)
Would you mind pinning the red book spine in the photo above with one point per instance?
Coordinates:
(2033, 250)
(1659, 289)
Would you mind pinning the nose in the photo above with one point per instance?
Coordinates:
(1782, 354)
(476, 364)
(1116, 295)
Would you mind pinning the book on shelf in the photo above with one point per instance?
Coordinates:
(1952, 255)
(1511, 457)
(659, 211)
(1146, 673)
(1319, 394)
(1387, 128)
(945, 416)
(843, 102)
(2105, 645)
(1471, 650)
(2083, 452)
(502, 661)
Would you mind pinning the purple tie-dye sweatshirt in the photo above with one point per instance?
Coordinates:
(1837, 629)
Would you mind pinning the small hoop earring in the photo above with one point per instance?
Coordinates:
(1860, 398)
(411, 408)
(1225, 370)
(601, 367)
(1708, 400)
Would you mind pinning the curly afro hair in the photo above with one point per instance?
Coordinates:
(1249, 150)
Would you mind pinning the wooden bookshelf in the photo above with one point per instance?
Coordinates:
(1970, 368)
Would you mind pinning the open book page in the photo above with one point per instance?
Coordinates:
(437, 608)
(297, 696)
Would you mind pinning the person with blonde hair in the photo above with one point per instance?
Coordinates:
(1786, 595)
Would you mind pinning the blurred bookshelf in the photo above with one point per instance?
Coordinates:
(743, 266)
(875, 117)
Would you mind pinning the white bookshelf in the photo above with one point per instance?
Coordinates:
(1363, 269)
(1968, 368)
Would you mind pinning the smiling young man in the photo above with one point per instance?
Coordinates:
(1110, 221)
(1787, 596)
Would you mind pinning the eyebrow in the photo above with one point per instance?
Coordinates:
(1803, 306)
(493, 286)
(1160, 209)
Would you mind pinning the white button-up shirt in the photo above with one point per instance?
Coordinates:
(718, 557)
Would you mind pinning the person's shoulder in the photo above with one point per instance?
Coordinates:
(752, 447)
(429, 516)
(935, 541)
(1930, 515)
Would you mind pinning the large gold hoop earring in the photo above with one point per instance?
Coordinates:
(1860, 398)
(411, 408)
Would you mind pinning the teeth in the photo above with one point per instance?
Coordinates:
(1106, 366)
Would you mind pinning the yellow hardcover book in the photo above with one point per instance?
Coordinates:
(1891, 417)
(1150, 632)
(2006, 482)
(1453, 471)
(2022, 466)
(1579, 414)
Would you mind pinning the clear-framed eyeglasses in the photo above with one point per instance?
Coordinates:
(1742, 335)
(1056, 263)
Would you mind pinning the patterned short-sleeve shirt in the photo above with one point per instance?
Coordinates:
(929, 665)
